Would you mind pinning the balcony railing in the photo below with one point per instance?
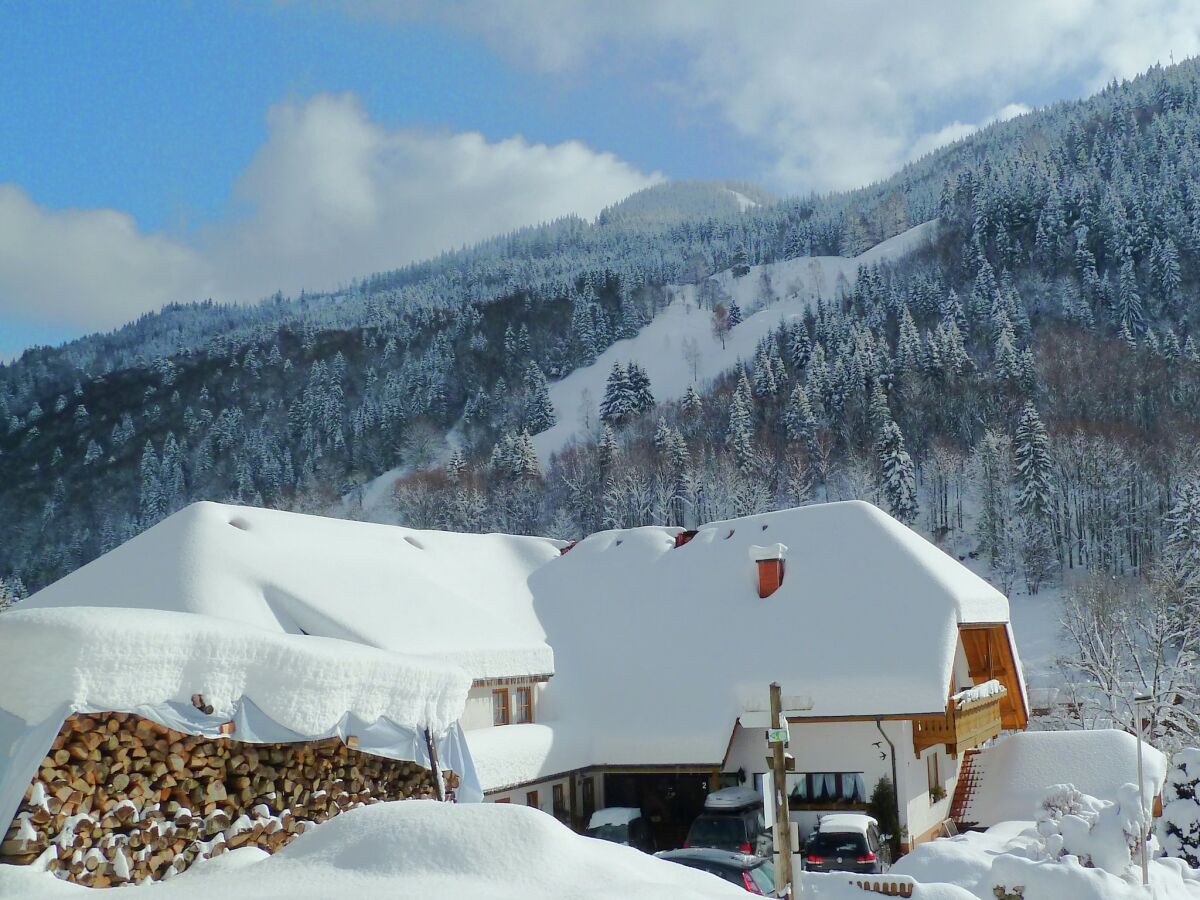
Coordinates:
(972, 717)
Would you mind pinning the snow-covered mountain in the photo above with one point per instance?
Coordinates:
(678, 347)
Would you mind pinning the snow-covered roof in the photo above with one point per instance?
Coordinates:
(457, 597)
(1012, 776)
(660, 649)
(125, 659)
(657, 650)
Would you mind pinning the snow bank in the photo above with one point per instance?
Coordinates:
(659, 346)
(460, 597)
(838, 886)
(120, 659)
(1013, 856)
(1014, 773)
(423, 850)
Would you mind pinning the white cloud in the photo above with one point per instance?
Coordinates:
(87, 267)
(956, 131)
(336, 195)
(331, 195)
(837, 93)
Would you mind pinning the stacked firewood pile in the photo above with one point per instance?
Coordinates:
(120, 799)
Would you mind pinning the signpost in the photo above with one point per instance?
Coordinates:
(777, 738)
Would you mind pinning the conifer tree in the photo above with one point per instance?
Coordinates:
(739, 437)
(799, 423)
(641, 398)
(764, 376)
(539, 411)
(898, 481)
(617, 404)
(1031, 453)
(799, 348)
(152, 504)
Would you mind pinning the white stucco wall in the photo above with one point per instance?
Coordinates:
(478, 711)
(850, 747)
(545, 791)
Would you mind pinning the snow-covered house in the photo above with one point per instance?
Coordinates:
(233, 674)
(632, 668)
(888, 651)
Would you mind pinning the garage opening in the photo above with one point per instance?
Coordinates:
(670, 800)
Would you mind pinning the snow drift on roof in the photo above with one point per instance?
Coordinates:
(120, 659)
(460, 597)
(1013, 774)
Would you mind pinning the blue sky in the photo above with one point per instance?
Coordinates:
(171, 151)
(155, 108)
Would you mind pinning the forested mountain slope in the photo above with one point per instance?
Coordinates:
(1026, 387)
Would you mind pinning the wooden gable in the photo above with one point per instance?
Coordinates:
(989, 653)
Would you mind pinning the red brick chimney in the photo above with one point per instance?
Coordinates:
(770, 567)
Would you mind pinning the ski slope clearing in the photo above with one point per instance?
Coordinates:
(678, 347)
(744, 203)
(422, 850)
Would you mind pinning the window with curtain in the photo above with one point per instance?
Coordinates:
(826, 788)
(522, 706)
(500, 710)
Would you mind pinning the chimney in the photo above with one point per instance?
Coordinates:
(683, 537)
(770, 567)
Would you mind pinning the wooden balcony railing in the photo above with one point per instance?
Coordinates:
(971, 718)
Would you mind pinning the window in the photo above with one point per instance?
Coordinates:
(560, 801)
(826, 789)
(932, 774)
(505, 800)
(531, 799)
(523, 705)
(500, 712)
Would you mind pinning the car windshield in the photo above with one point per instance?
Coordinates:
(837, 844)
(717, 831)
(763, 879)
(617, 833)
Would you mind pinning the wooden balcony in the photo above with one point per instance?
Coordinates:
(969, 721)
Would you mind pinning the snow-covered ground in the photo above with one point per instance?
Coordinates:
(678, 347)
(422, 850)
(1013, 854)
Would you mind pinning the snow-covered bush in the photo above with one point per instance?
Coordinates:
(1179, 827)
(1076, 827)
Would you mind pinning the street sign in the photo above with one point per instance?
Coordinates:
(778, 736)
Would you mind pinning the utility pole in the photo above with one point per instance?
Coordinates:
(783, 824)
(1143, 836)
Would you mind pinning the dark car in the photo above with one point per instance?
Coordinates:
(732, 820)
(622, 825)
(753, 873)
(846, 843)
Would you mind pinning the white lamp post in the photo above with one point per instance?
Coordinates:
(1139, 704)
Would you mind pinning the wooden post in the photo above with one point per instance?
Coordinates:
(783, 823)
(433, 764)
